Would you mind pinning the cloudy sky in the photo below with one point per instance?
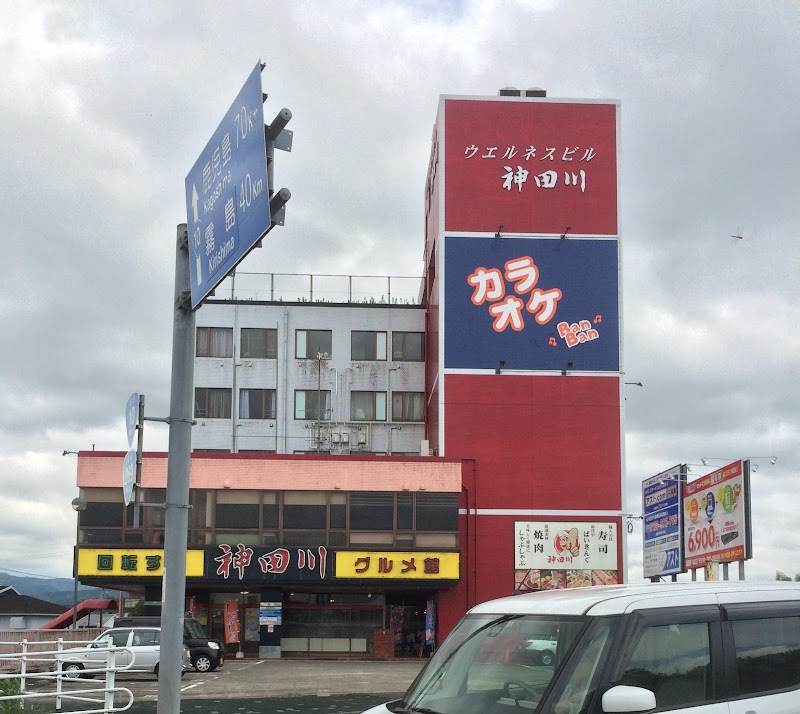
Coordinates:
(105, 106)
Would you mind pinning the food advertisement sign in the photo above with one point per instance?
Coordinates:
(532, 304)
(661, 501)
(551, 555)
(716, 517)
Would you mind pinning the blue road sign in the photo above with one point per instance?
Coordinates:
(227, 192)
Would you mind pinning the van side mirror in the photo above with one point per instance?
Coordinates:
(623, 698)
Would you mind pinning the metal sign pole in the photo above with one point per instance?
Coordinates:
(177, 505)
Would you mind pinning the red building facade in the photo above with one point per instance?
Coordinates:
(523, 340)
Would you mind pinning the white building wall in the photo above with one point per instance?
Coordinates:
(339, 374)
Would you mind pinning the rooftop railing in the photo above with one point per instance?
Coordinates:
(334, 289)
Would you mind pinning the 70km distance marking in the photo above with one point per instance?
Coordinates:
(245, 121)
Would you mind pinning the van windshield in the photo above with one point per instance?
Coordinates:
(193, 629)
(491, 663)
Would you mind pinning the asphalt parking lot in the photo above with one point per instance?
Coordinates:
(245, 679)
(253, 685)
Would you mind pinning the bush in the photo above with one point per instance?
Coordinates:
(9, 688)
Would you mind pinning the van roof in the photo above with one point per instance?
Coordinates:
(617, 599)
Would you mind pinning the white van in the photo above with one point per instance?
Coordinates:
(705, 648)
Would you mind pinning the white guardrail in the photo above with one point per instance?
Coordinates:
(43, 668)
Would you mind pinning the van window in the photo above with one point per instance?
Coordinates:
(578, 686)
(674, 662)
(767, 653)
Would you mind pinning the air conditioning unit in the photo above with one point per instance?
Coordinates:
(334, 437)
(345, 437)
(362, 438)
(425, 448)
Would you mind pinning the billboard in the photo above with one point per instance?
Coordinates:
(549, 555)
(530, 166)
(717, 516)
(662, 502)
(531, 304)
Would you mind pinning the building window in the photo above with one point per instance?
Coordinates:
(368, 406)
(408, 346)
(259, 343)
(236, 515)
(305, 510)
(437, 511)
(311, 344)
(214, 342)
(212, 403)
(408, 406)
(371, 511)
(312, 404)
(257, 404)
(367, 345)
(405, 512)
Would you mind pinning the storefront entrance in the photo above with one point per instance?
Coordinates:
(233, 618)
(411, 619)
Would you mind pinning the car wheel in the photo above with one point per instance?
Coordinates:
(546, 657)
(202, 663)
(73, 670)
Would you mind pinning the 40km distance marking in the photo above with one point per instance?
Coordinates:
(249, 190)
(702, 539)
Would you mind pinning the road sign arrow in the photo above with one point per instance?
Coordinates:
(195, 198)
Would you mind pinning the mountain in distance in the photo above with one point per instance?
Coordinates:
(59, 591)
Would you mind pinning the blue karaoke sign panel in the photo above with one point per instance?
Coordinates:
(531, 304)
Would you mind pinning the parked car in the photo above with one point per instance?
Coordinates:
(704, 648)
(541, 648)
(142, 647)
(206, 652)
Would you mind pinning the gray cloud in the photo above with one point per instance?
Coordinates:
(105, 107)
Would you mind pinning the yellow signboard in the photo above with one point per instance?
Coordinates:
(142, 562)
(414, 565)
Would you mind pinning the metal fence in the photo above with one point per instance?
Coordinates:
(32, 671)
(335, 289)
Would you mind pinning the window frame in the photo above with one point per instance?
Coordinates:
(321, 392)
(403, 418)
(264, 399)
(209, 341)
(307, 333)
(207, 391)
(375, 346)
(404, 349)
(375, 400)
(269, 342)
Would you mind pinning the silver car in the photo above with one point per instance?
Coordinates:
(142, 648)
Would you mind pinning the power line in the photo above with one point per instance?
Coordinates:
(34, 575)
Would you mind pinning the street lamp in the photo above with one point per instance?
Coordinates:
(78, 505)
